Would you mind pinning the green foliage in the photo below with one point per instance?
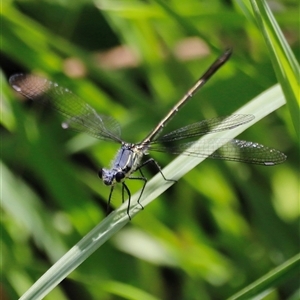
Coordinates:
(221, 228)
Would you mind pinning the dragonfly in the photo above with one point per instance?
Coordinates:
(129, 159)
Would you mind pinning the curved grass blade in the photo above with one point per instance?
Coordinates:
(283, 60)
(268, 281)
(260, 107)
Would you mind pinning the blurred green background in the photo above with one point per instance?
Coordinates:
(220, 227)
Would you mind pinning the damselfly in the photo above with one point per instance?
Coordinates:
(82, 117)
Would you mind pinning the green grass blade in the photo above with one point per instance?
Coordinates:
(260, 106)
(283, 60)
(268, 281)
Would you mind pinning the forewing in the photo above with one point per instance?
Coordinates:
(79, 115)
(205, 127)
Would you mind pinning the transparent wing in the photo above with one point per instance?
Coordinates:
(205, 127)
(79, 115)
(234, 150)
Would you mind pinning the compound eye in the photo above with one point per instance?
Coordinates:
(100, 173)
(120, 176)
